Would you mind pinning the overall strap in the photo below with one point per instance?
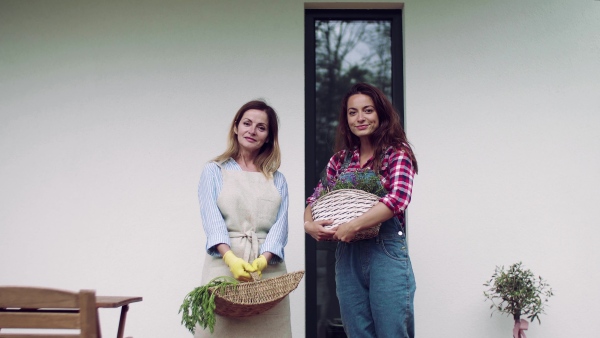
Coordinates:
(347, 160)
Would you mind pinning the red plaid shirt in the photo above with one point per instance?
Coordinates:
(397, 177)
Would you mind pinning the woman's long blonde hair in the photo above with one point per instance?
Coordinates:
(268, 159)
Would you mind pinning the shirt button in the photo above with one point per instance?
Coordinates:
(400, 233)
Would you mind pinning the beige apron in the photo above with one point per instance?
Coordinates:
(249, 203)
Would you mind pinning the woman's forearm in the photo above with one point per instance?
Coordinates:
(377, 214)
(223, 248)
(308, 214)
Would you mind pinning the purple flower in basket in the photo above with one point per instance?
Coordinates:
(361, 179)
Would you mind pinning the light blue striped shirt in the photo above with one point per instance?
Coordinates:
(209, 188)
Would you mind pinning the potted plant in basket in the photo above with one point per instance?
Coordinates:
(347, 197)
(360, 179)
(518, 292)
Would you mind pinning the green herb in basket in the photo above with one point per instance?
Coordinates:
(361, 179)
(199, 305)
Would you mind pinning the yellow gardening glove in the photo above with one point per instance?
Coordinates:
(238, 266)
(260, 264)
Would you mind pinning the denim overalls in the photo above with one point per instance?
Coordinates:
(375, 284)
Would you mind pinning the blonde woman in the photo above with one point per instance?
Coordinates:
(244, 209)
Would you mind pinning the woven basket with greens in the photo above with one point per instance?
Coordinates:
(226, 296)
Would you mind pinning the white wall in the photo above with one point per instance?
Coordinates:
(503, 108)
(108, 111)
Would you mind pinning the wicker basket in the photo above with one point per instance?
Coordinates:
(252, 298)
(344, 205)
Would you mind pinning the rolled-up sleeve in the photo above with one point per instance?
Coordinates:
(278, 234)
(399, 182)
(209, 188)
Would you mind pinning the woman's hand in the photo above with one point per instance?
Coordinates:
(345, 232)
(316, 230)
(259, 264)
(238, 267)
(377, 214)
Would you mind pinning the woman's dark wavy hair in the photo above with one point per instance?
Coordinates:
(389, 132)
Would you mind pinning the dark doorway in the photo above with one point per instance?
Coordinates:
(342, 47)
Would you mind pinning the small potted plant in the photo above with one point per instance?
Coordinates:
(518, 292)
(361, 179)
(347, 197)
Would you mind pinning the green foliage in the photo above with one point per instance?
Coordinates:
(199, 305)
(517, 292)
(361, 179)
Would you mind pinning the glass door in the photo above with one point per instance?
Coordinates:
(343, 47)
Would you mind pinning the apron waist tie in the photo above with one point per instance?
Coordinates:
(251, 243)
